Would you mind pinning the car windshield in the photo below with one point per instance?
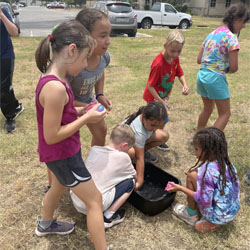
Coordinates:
(119, 8)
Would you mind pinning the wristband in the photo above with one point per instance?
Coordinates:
(98, 96)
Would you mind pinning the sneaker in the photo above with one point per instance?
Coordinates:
(10, 125)
(56, 227)
(116, 218)
(163, 147)
(204, 226)
(247, 177)
(19, 110)
(148, 157)
(181, 212)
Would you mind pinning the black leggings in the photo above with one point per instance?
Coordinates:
(8, 101)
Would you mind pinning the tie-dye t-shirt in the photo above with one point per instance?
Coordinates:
(216, 208)
(216, 47)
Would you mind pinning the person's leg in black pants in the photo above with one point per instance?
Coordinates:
(8, 101)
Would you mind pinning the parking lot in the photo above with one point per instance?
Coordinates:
(38, 21)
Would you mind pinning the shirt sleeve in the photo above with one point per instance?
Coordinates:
(6, 13)
(204, 193)
(179, 72)
(140, 140)
(125, 167)
(233, 43)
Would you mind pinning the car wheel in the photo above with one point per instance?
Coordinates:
(132, 34)
(146, 24)
(184, 25)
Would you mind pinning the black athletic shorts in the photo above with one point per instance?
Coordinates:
(71, 171)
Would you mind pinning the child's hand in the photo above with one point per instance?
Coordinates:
(138, 186)
(83, 110)
(167, 107)
(80, 111)
(105, 102)
(94, 115)
(185, 90)
(138, 183)
(175, 187)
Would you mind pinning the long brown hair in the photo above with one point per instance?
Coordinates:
(236, 12)
(65, 34)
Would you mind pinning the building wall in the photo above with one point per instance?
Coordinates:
(202, 7)
(90, 3)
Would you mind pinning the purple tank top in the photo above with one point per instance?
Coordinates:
(66, 148)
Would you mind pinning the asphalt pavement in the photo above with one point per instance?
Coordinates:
(38, 21)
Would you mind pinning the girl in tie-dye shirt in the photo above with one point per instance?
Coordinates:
(219, 55)
(212, 185)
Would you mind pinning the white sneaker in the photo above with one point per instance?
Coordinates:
(181, 212)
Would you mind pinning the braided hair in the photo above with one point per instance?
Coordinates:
(213, 145)
(153, 111)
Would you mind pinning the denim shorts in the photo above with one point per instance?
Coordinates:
(71, 171)
(212, 85)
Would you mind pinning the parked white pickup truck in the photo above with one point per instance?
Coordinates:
(163, 14)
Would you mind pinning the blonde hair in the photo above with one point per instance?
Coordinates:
(122, 133)
(175, 36)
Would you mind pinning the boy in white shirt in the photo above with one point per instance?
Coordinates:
(113, 173)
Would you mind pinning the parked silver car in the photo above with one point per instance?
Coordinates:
(13, 14)
(121, 16)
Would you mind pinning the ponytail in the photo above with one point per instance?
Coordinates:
(153, 111)
(130, 118)
(43, 54)
(69, 32)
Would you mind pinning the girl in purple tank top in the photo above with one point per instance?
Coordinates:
(58, 129)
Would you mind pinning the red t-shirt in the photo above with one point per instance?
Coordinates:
(161, 77)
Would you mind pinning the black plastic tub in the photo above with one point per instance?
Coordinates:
(152, 198)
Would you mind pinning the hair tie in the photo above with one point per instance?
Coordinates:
(51, 38)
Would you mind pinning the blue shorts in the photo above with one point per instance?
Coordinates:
(212, 85)
(125, 186)
(71, 171)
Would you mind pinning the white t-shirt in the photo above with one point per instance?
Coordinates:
(141, 134)
(108, 167)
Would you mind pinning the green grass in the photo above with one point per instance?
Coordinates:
(23, 177)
